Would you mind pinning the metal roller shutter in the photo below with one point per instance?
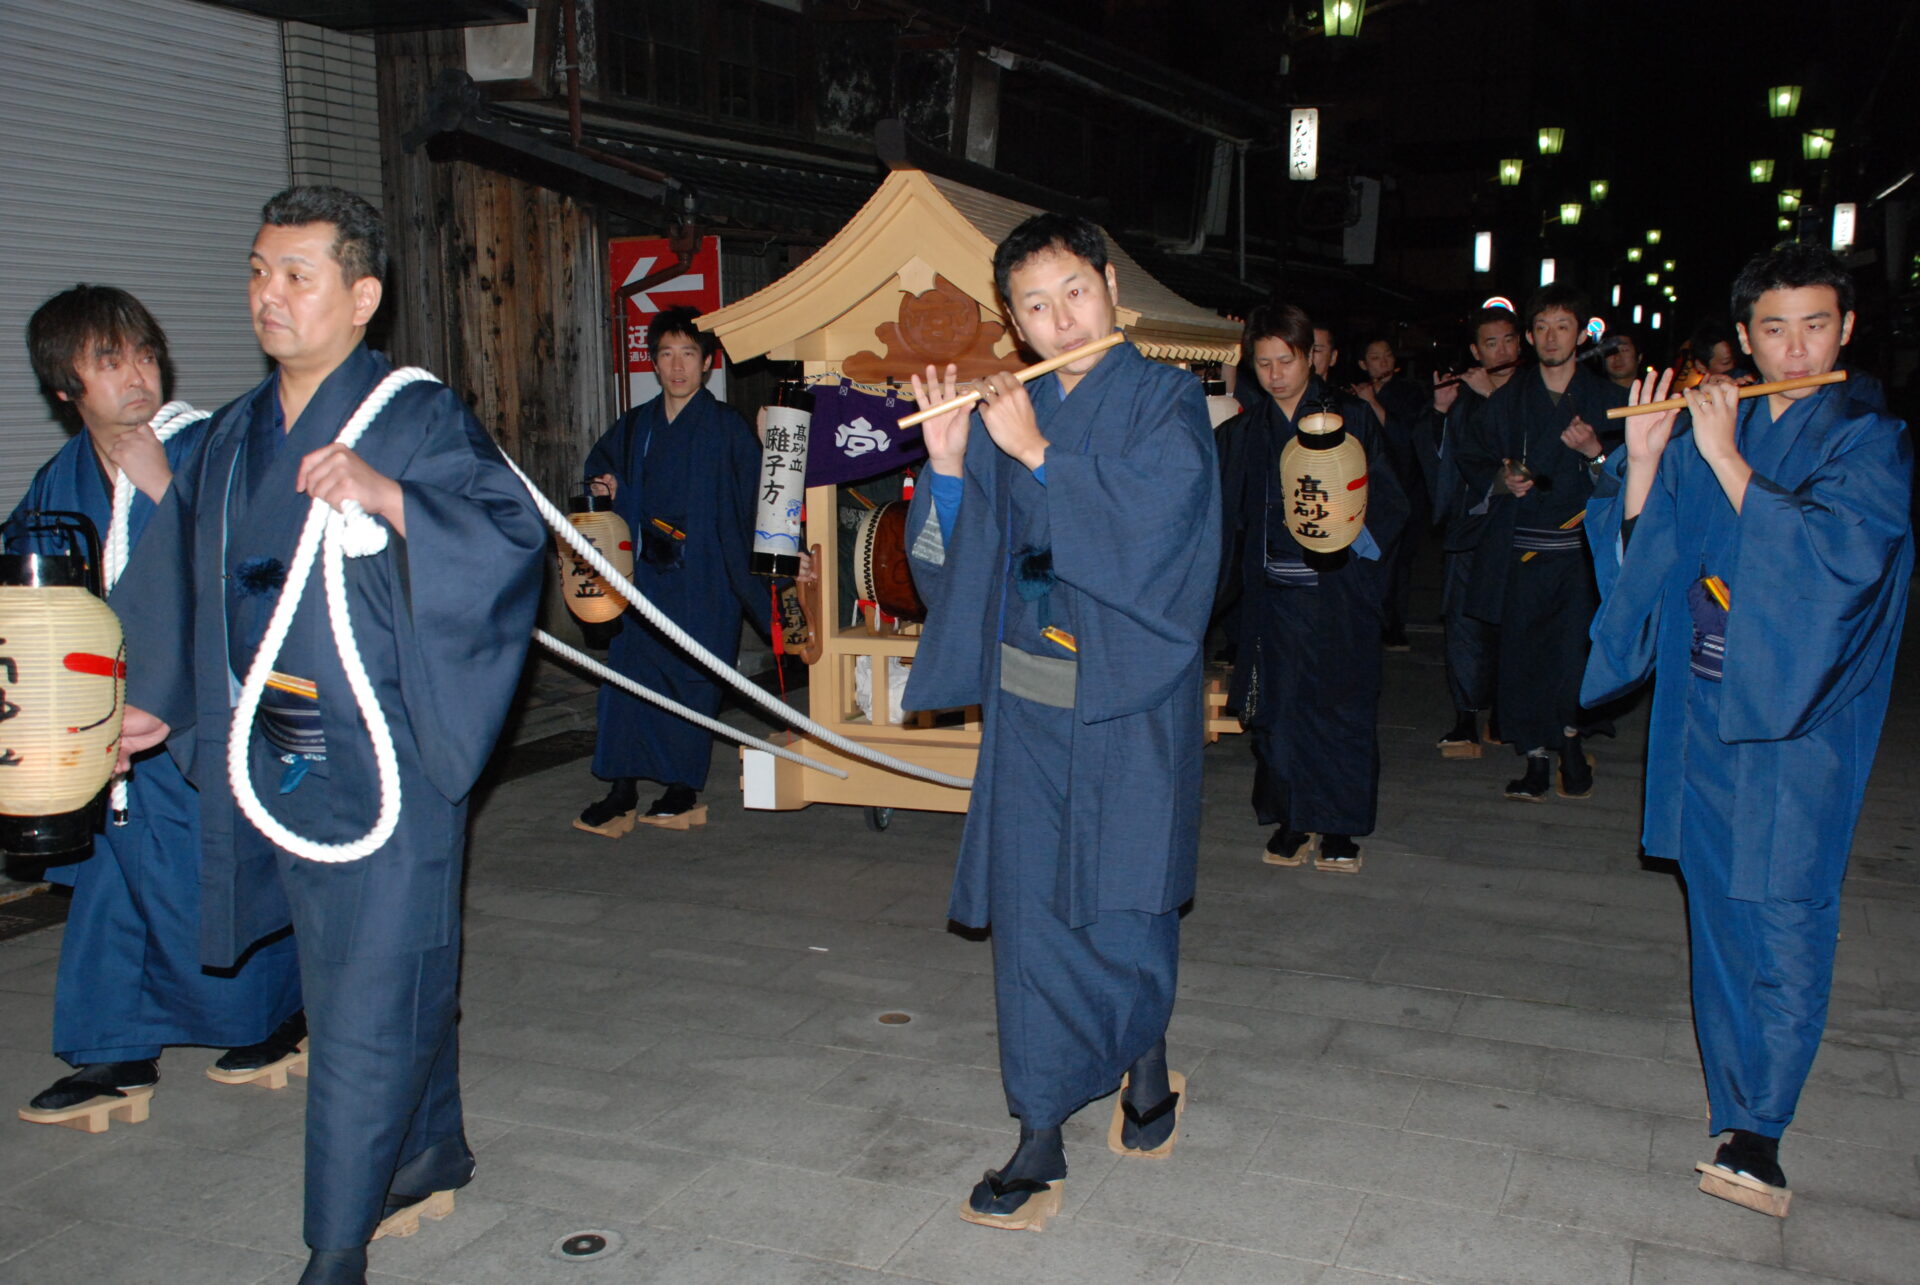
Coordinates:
(138, 140)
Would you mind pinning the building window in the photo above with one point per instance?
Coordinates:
(726, 60)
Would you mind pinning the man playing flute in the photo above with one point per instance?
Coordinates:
(1757, 566)
(1066, 546)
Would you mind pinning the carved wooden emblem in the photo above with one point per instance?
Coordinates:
(935, 327)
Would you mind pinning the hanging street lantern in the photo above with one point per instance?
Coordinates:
(1653, 278)
(1789, 199)
(1343, 17)
(1570, 212)
(1760, 171)
(1510, 172)
(1783, 223)
(1635, 254)
(1783, 101)
(1552, 139)
(1653, 236)
(1598, 190)
(1667, 266)
(1816, 144)
(1303, 145)
(1844, 215)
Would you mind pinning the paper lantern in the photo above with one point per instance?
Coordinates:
(589, 597)
(783, 488)
(63, 666)
(1323, 472)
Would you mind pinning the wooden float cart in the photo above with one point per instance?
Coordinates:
(908, 282)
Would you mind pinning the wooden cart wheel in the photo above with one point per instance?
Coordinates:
(879, 818)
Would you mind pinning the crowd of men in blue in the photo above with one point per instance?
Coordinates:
(1075, 538)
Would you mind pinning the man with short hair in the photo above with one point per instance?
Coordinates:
(130, 980)
(1325, 355)
(1535, 446)
(1307, 674)
(1620, 357)
(1758, 567)
(440, 612)
(683, 470)
(1066, 545)
(1471, 644)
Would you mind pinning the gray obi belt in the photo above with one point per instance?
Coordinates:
(1044, 680)
(1530, 539)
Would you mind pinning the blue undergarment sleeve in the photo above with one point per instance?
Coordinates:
(1366, 546)
(1040, 475)
(947, 494)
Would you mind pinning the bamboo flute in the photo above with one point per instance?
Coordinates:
(1751, 390)
(1034, 371)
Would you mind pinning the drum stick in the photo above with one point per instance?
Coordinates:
(1751, 390)
(1034, 371)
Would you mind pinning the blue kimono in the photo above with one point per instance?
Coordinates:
(1766, 716)
(1531, 575)
(1081, 838)
(697, 473)
(130, 978)
(1309, 667)
(442, 617)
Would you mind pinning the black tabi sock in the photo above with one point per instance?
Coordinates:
(1147, 1088)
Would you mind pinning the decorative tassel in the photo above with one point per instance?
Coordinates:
(258, 576)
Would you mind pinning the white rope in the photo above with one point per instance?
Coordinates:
(620, 680)
(334, 535)
(731, 676)
(172, 418)
(328, 532)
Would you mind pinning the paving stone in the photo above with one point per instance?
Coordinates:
(1365, 1001)
(1669, 1265)
(585, 1174)
(1270, 1081)
(1819, 1169)
(1220, 1265)
(948, 1159)
(1637, 1205)
(1437, 1055)
(89, 1253)
(1251, 1211)
(21, 1229)
(1532, 1122)
(841, 1219)
(1209, 1025)
(963, 1095)
(700, 1057)
(1641, 1084)
(178, 1186)
(1473, 974)
(1421, 1166)
(754, 1124)
(564, 1037)
(1561, 1026)
(573, 1098)
(1442, 1243)
(1861, 1245)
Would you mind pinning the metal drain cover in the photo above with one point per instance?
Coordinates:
(895, 1019)
(585, 1246)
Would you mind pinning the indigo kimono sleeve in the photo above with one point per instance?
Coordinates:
(1137, 532)
(1482, 440)
(157, 590)
(467, 581)
(1815, 604)
(1626, 630)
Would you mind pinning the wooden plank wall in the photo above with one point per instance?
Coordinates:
(496, 283)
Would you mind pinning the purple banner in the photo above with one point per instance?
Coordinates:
(856, 436)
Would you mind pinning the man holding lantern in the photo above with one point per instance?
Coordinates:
(130, 980)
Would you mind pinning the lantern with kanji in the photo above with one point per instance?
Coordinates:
(589, 597)
(62, 693)
(1323, 473)
(783, 484)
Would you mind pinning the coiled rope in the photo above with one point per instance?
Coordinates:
(333, 535)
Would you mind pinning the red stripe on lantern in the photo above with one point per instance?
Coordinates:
(86, 662)
(1357, 483)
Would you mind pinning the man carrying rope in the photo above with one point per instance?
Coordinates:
(130, 980)
(440, 612)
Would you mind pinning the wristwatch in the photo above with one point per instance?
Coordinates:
(1593, 465)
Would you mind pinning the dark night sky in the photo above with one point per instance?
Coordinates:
(1665, 100)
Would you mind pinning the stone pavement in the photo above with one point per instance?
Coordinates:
(1471, 1062)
